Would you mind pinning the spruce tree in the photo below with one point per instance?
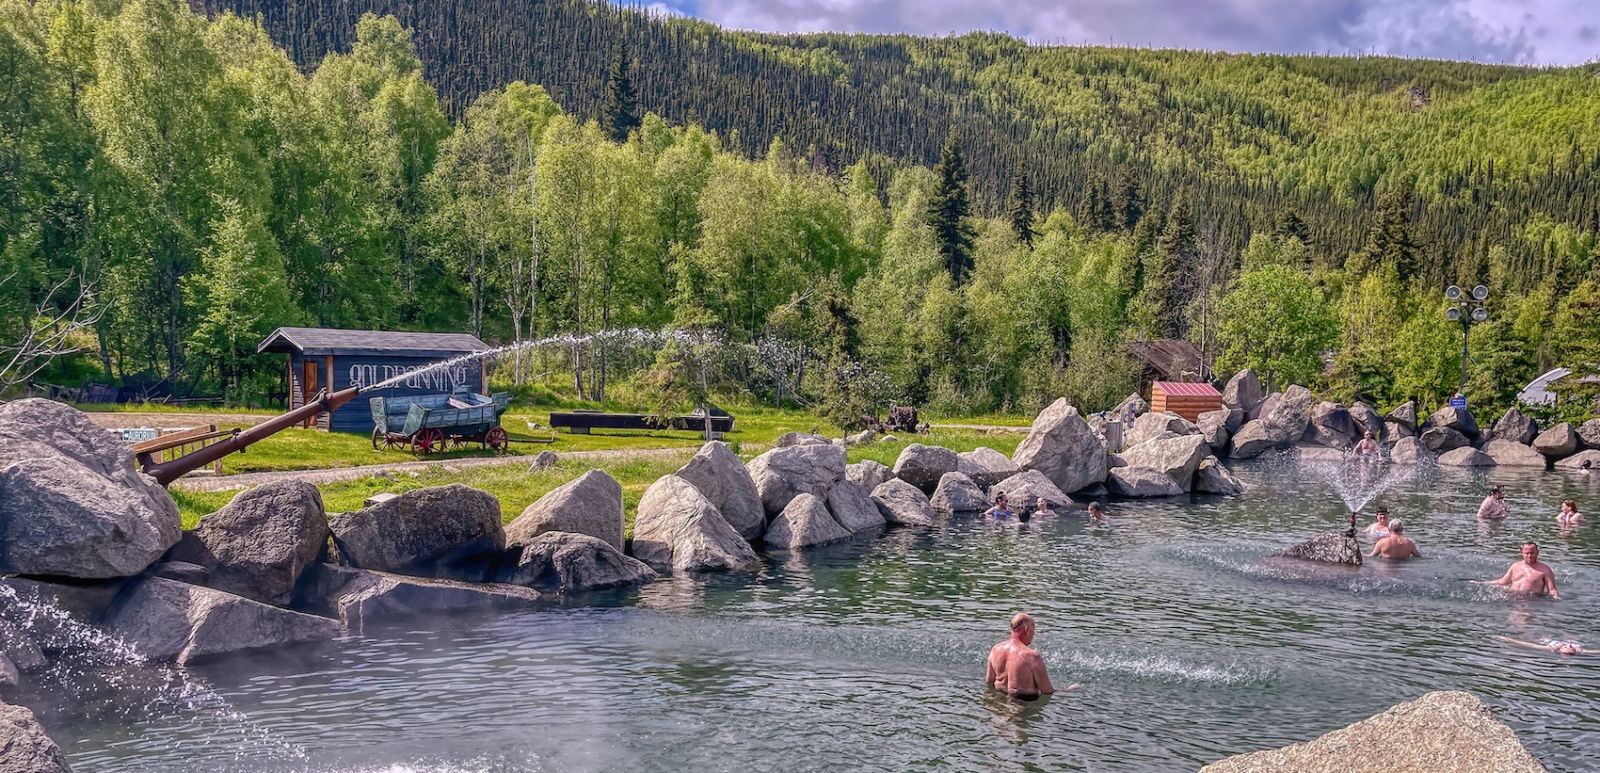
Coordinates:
(1290, 224)
(1094, 210)
(620, 114)
(1127, 206)
(1390, 241)
(949, 207)
(1021, 210)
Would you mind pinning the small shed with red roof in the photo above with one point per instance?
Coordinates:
(1185, 399)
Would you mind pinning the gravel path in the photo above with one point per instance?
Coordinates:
(989, 428)
(120, 419)
(333, 475)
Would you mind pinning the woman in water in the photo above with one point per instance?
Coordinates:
(1569, 515)
(1553, 646)
(1380, 527)
(1001, 511)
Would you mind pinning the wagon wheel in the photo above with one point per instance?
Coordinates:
(497, 440)
(427, 441)
(378, 434)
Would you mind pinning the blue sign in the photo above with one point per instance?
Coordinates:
(1459, 401)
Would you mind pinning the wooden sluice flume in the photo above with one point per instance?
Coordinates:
(165, 472)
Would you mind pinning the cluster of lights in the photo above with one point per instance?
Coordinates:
(1472, 309)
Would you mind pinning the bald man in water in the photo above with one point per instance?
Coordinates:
(1016, 667)
(1396, 545)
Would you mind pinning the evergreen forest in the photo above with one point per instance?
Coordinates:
(969, 224)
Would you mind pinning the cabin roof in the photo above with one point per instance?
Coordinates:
(1186, 389)
(321, 340)
(1169, 359)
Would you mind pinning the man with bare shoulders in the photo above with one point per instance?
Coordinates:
(1494, 505)
(1015, 667)
(1395, 545)
(1529, 575)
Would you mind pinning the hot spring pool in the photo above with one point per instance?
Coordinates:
(869, 655)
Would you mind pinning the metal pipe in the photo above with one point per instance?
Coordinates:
(169, 471)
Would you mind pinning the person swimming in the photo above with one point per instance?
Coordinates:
(1001, 510)
(1015, 667)
(1380, 524)
(1097, 515)
(1553, 646)
(1396, 545)
(1569, 515)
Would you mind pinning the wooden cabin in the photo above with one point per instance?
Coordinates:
(325, 358)
(1185, 399)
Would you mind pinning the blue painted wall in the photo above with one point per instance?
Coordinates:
(360, 370)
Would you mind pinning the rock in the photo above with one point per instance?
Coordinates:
(782, 474)
(722, 478)
(1142, 482)
(1255, 438)
(10, 678)
(1153, 425)
(257, 545)
(791, 439)
(1394, 429)
(1366, 419)
(1465, 457)
(852, 506)
(1176, 457)
(861, 438)
(18, 648)
(1211, 477)
(1131, 406)
(1516, 427)
(1442, 439)
(1404, 414)
(24, 746)
(172, 621)
(870, 474)
(1243, 391)
(1292, 412)
(922, 466)
(957, 493)
(1589, 434)
(803, 523)
(565, 562)
(1440, 731)
(1509, 453)
(1316, 453)
(1409, 450)
(1575, 462)
(1265, 408)
(193, 574)
(1062, 447)
(359, 597)
(1214, 428)
(889, 439)
(1334, 547)
(1458, 419)
(1558, 441)
(985, 466)
(71, 502)
(83, 603)
(545, 460)
(1333, 426)
(450, 532)
(677, 528)
(1024, 490)
(903, 504)
(590, 504)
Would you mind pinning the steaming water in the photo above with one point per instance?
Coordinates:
(637, 337)
(1190, 644)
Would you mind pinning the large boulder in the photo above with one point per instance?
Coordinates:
(71, 502)
(10, 678)
(1404, 414)
(1394, 429)
(566, 562)
(1465, 457)
(1292, 412)
(782, 474)
(789, 439)
(1516, 427)
(1333, 426)
(1409, 450)
(1243, 391)
(258, 545)
(922, 466)
(803, 523)
(1025, 489)
(450, 532)
(166, 620)
(359, 597)
(1333, 547)
(1153, 425)
(723, 479)
(1575, 462)
(53, 608)
(1214, 428)
(1367, 419)
(1557, 442)
(870, 474)
(1176, 457)
(985, 466)
(1062, 447)
(24, 746)
(17, 646)
(1255, 438)
(903, 504)
(1314, 453)
(678, 529)
(591, 504)
(1132, 407)
(852, 506)
(1440, 731)
(1589, 434)
(957, 493)
(1141, 482)
(1458, 419)
(1509, 453)
(1212, 477)
(1443, 439)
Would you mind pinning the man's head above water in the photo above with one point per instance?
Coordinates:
(1022, 627)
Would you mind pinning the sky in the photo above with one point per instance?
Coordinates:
(1538, 32)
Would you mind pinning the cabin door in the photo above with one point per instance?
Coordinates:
(308, 383)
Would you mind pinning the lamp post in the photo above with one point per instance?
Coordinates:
(1469, 311)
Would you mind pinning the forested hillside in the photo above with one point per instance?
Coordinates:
(968, 224)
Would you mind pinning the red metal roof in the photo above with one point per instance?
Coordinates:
(1186, 389)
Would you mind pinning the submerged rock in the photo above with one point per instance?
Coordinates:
(451, 532)
(782, 474)
(985, 466)
(1212, 477)
(903, 504)
(1142, 482)
(24, 746)
(805, 522)
(257, 545)
(922, 466)
(678, 529)
(1441, 731)
(566, 562)
(1334, 547)
(957, 493)
(71, 502)
(852, 506)
(172, 621)
(1062, 447)
(359, 597)
(589, 504)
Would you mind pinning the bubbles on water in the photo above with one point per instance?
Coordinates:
(1160, 668)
